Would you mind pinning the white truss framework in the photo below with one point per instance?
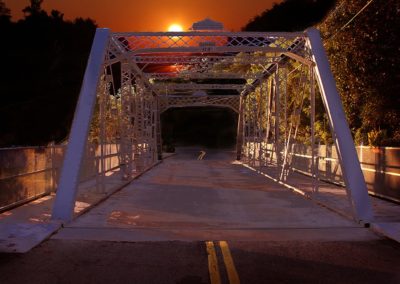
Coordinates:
(264, 77)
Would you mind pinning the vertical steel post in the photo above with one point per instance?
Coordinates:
(268, 113)
(312, 122)
(254, 129)
(53, 169)
(261, 127)
(139, 127)
(158, 129)
(102, 139)
(240, 134)
(285, 102)
(277, 120)
(126, 122)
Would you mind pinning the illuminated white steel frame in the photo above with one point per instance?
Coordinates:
(198, 53)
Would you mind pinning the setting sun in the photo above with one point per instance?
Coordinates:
(175, 28)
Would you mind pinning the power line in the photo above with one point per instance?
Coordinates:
(356, 15)
(351, 20)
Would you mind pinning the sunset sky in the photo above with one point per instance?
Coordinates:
(153, 15)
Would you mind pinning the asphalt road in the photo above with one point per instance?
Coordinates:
(207, 221)
(61, 261)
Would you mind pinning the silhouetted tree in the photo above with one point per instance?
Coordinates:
(41, 75)
(290, 15)
(5, 13)
(34, 9)
(57, 16)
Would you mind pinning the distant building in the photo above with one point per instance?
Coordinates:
(207, 25)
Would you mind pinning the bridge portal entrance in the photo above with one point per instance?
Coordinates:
(209, 127)
(279, 84)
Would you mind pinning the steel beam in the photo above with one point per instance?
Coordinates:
(64, 205)
(350, 164)
(243, 35)
(193, 86)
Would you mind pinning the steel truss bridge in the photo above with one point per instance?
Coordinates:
(277, 83)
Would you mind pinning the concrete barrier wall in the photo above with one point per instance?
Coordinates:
(380, 165)
(27, 173)
(327, 159)
(381, 168)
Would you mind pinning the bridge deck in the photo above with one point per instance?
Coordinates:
(215, 198)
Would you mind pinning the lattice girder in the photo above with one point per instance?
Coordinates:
(196, 53)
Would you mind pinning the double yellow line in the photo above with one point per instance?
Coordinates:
(213, 268)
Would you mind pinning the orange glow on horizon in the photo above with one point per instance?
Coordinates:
(152, 16)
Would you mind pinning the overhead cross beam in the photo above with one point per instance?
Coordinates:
(193, 86)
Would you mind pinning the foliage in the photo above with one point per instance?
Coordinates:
(41, 75)
(112, 124)
(360, 138)
(364, 59)
(376, 137)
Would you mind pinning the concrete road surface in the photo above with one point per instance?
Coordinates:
(207, 221)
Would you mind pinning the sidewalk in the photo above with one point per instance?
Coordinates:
(386, 219)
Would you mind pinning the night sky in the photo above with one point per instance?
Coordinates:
(153, 15)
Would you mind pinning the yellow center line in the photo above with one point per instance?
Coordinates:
(213, 269)
(230, 266)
